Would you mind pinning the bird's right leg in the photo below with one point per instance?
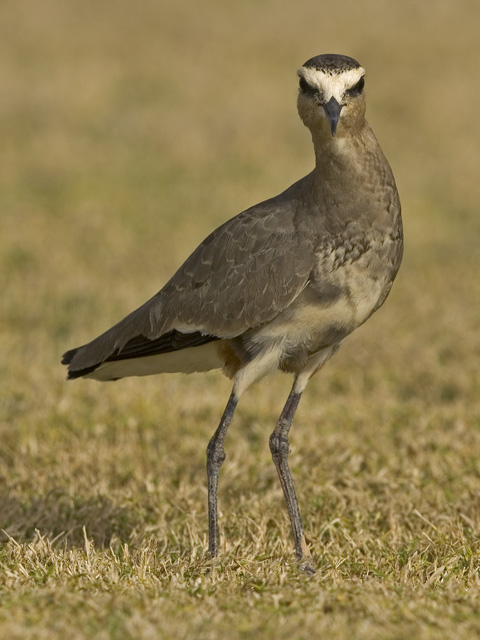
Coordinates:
(246, 375)
(215, 459)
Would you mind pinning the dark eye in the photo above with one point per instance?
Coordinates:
(358, 88)
(306, 88)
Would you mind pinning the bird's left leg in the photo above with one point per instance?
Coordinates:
(280, 449)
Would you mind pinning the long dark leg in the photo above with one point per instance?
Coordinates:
(215, 459)
(280, 449)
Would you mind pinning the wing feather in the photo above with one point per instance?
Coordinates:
(259, 265)
(241, 276)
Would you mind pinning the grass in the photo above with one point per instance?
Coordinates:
(128, 133)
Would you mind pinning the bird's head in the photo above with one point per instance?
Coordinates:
(330, 97)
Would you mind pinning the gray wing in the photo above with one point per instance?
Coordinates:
(241, 276)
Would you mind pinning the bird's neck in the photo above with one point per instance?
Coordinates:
(342, 149)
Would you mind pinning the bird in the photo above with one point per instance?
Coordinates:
(279, 286)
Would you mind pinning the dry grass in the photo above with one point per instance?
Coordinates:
(129, 130)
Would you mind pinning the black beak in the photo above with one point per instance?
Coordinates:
(332, 109)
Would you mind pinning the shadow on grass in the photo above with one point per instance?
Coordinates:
(62, 518)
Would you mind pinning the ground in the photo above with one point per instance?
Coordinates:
(128, 132)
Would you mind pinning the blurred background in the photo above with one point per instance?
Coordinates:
(128, 131)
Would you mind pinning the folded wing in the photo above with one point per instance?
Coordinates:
(241, 276)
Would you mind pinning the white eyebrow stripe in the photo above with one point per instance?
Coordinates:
(331, 84)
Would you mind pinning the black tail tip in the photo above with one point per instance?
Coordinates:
(72, 373)
(68, 356)
(76, 373)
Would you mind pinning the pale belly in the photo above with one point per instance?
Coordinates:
(323, 315)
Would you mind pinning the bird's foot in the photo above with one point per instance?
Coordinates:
(306, 566)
